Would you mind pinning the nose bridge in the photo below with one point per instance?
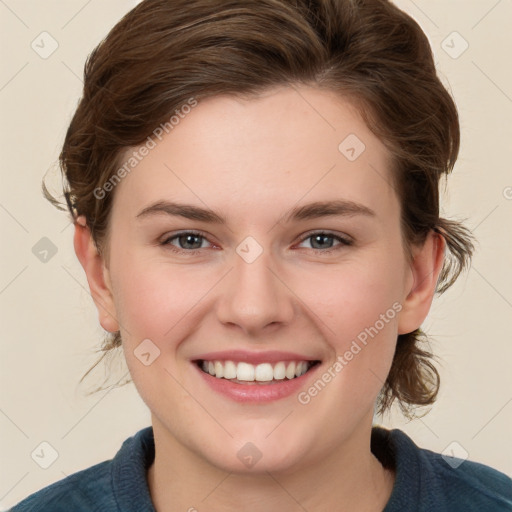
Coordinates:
(254, 297)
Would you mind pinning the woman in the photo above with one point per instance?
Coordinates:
(254, 187)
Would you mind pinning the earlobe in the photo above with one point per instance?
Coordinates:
(425, 270)
(97, 275)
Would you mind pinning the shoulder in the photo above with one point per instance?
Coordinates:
(468, 485)
(436, 482)
(84, 490)
(113, 485)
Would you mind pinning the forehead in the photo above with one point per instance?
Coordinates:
(286, 146)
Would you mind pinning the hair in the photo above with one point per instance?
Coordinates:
(162, 53)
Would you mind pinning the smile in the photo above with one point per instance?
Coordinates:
(244, 372)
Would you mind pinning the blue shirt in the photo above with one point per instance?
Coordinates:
(425, 481)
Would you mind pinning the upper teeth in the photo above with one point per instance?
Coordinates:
(263, 372)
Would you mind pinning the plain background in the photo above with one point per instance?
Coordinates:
(50, 326)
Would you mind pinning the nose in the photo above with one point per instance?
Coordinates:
(254, 296)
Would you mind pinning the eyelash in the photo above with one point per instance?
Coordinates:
(344, 241)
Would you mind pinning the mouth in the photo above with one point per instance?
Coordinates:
(264, 373)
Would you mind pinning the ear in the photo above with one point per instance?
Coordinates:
(97, 275)
(424, 269)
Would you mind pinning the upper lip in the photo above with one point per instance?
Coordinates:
(253, 357)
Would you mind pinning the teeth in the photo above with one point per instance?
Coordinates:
(264, 372)
(229, 370)
(245, 371)
(219, 369)
(279, 371)
(290, 371)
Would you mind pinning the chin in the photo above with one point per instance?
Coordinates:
(255, 455)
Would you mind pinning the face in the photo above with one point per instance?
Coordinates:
(262, 278)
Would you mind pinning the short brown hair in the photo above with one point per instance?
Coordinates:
(164, 52)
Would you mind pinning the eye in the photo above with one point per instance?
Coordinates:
(324, 241)
(191, 242)
(188, 241)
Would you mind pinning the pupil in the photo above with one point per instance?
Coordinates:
(321, 237)
(184, 239)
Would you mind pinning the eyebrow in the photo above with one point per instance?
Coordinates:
(309, 211)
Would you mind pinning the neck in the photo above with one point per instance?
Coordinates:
(350, 478)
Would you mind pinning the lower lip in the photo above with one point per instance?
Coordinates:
(256, 392)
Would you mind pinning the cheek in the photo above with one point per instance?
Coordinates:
(351, 297)
(155, 300)
(151, 298)
(164, 304)
(154, 303)
(359, 306)
(362, 333)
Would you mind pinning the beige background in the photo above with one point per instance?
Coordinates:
(49, 325)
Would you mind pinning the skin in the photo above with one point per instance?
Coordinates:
(252, 160)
